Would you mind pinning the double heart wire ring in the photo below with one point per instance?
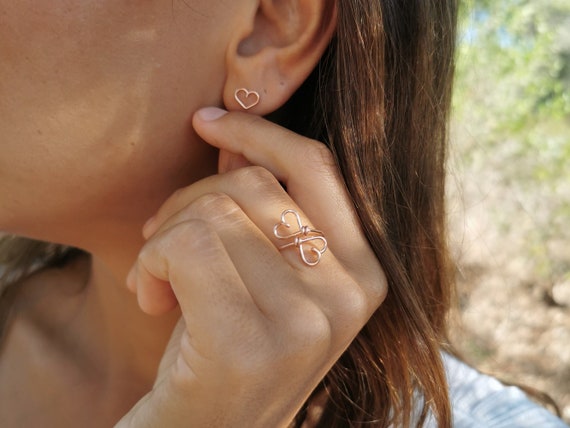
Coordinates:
(310, 242)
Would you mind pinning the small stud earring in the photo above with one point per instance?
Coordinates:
(247, 99)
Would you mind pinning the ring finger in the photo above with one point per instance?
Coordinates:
(264, 201)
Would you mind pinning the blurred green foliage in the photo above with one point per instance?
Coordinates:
(512, 118)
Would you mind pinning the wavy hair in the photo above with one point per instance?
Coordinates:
(379, 98)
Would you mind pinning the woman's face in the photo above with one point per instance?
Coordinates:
(95, 104)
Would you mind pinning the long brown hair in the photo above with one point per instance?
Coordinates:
(380, 98)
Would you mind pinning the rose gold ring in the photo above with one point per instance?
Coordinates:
(311, 242)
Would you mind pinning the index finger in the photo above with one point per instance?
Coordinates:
(309, 171)
(305, 166)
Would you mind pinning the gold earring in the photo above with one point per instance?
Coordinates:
(247, 99)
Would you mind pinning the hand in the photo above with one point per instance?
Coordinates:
(260, 328)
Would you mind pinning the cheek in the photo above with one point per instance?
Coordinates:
(61, 58)
(92, 92)
(74, 61)
(81, 71)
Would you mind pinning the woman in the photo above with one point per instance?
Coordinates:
(308, 285)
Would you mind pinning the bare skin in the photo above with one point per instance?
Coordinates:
(57, 365)
(96, 109)
(95, 135)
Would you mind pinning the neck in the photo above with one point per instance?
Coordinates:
(122, 342)
(77, 330)
(128, 340)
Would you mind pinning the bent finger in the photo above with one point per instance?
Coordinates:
(310, 174)
(192, 258)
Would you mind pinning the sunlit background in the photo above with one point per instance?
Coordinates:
(509, 191)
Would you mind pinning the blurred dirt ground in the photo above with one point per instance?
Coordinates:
(513, 324)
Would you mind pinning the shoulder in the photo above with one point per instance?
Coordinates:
(479, 400)
(46, 292)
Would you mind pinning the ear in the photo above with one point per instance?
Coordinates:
(277, 50)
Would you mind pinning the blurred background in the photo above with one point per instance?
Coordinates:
(509, 191)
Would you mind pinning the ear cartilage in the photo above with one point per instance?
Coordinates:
(247, 99)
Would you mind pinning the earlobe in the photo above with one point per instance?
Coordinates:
(246, 99)
(284, 42)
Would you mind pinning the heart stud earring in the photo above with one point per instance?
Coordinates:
(247, 99)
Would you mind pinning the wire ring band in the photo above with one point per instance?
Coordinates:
(311, 242)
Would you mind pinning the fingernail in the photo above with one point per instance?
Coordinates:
(209, 114)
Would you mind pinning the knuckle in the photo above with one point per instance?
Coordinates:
(311, 331)
(378, 292)
(319, 156)
(373, 283)
(256, 178)
(192, 236)
(166, 247)
(215, 208)
(145, 255)
(354, 308)
(177, 198)
(212, 202)
(178, 193)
